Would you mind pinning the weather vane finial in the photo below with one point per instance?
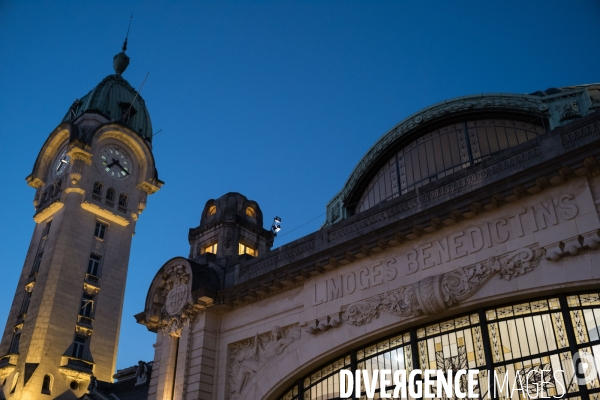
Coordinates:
(126, 36)
(121, 61)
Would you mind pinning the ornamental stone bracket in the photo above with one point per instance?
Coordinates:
(435, 294)
(573, 246)
(323, 324)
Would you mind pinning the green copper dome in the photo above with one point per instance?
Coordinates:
(116, 100)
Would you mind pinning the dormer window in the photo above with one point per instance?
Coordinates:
(212, 248)
(212, 210)
(127, 112)
(243, 249)
(74, 110)
(250, 212)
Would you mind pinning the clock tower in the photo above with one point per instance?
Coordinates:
(91, 179)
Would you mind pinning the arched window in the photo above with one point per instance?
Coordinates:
(442, 152)
(212, 210)
(97, 193)
(47, 384)
(250, 212)
(110, 197)
(123, 199)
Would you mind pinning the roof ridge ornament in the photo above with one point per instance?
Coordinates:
(121, 60)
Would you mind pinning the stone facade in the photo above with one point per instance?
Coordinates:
(92, 178)
(518, 227)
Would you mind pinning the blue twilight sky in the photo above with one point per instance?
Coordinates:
(277, 100)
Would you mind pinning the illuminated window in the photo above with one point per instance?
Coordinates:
(243, 249)
(212, 210)
(47, 384)
(250, 212)
(209, 249)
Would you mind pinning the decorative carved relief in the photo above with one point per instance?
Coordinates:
(141, 373)
(178, 308)
(246, 358)
(437, 293)
(568, 110)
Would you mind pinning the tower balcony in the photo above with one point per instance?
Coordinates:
(91, 284)
(86, 322)
(75, 368)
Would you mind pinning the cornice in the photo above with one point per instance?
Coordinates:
(526, 170)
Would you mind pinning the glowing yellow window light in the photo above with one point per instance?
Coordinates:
(250, 212)
(243, 249)
(212, 210)
(210, 248)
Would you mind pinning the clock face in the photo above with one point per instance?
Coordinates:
(115, 162)
(60, 164)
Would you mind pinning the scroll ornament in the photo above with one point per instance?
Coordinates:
(435, 294)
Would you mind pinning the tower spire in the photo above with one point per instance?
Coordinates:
(121, 60)
(127, 35)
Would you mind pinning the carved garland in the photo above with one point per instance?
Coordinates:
(437, 293)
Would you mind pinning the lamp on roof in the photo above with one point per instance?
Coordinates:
(276, 227)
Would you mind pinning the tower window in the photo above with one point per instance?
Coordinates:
(79, 346)
(14, 345)
(250, 212)
(100, 230)
(87, 305)
(123, 199)
(243, 249)
(37, 262)
(25, 304)
(46, 230)
(47, 384)
(209, 249)
(97, 193)
(212, 210)
(94, 265)
(110, 198)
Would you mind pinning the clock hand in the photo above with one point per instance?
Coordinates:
(120, 166)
